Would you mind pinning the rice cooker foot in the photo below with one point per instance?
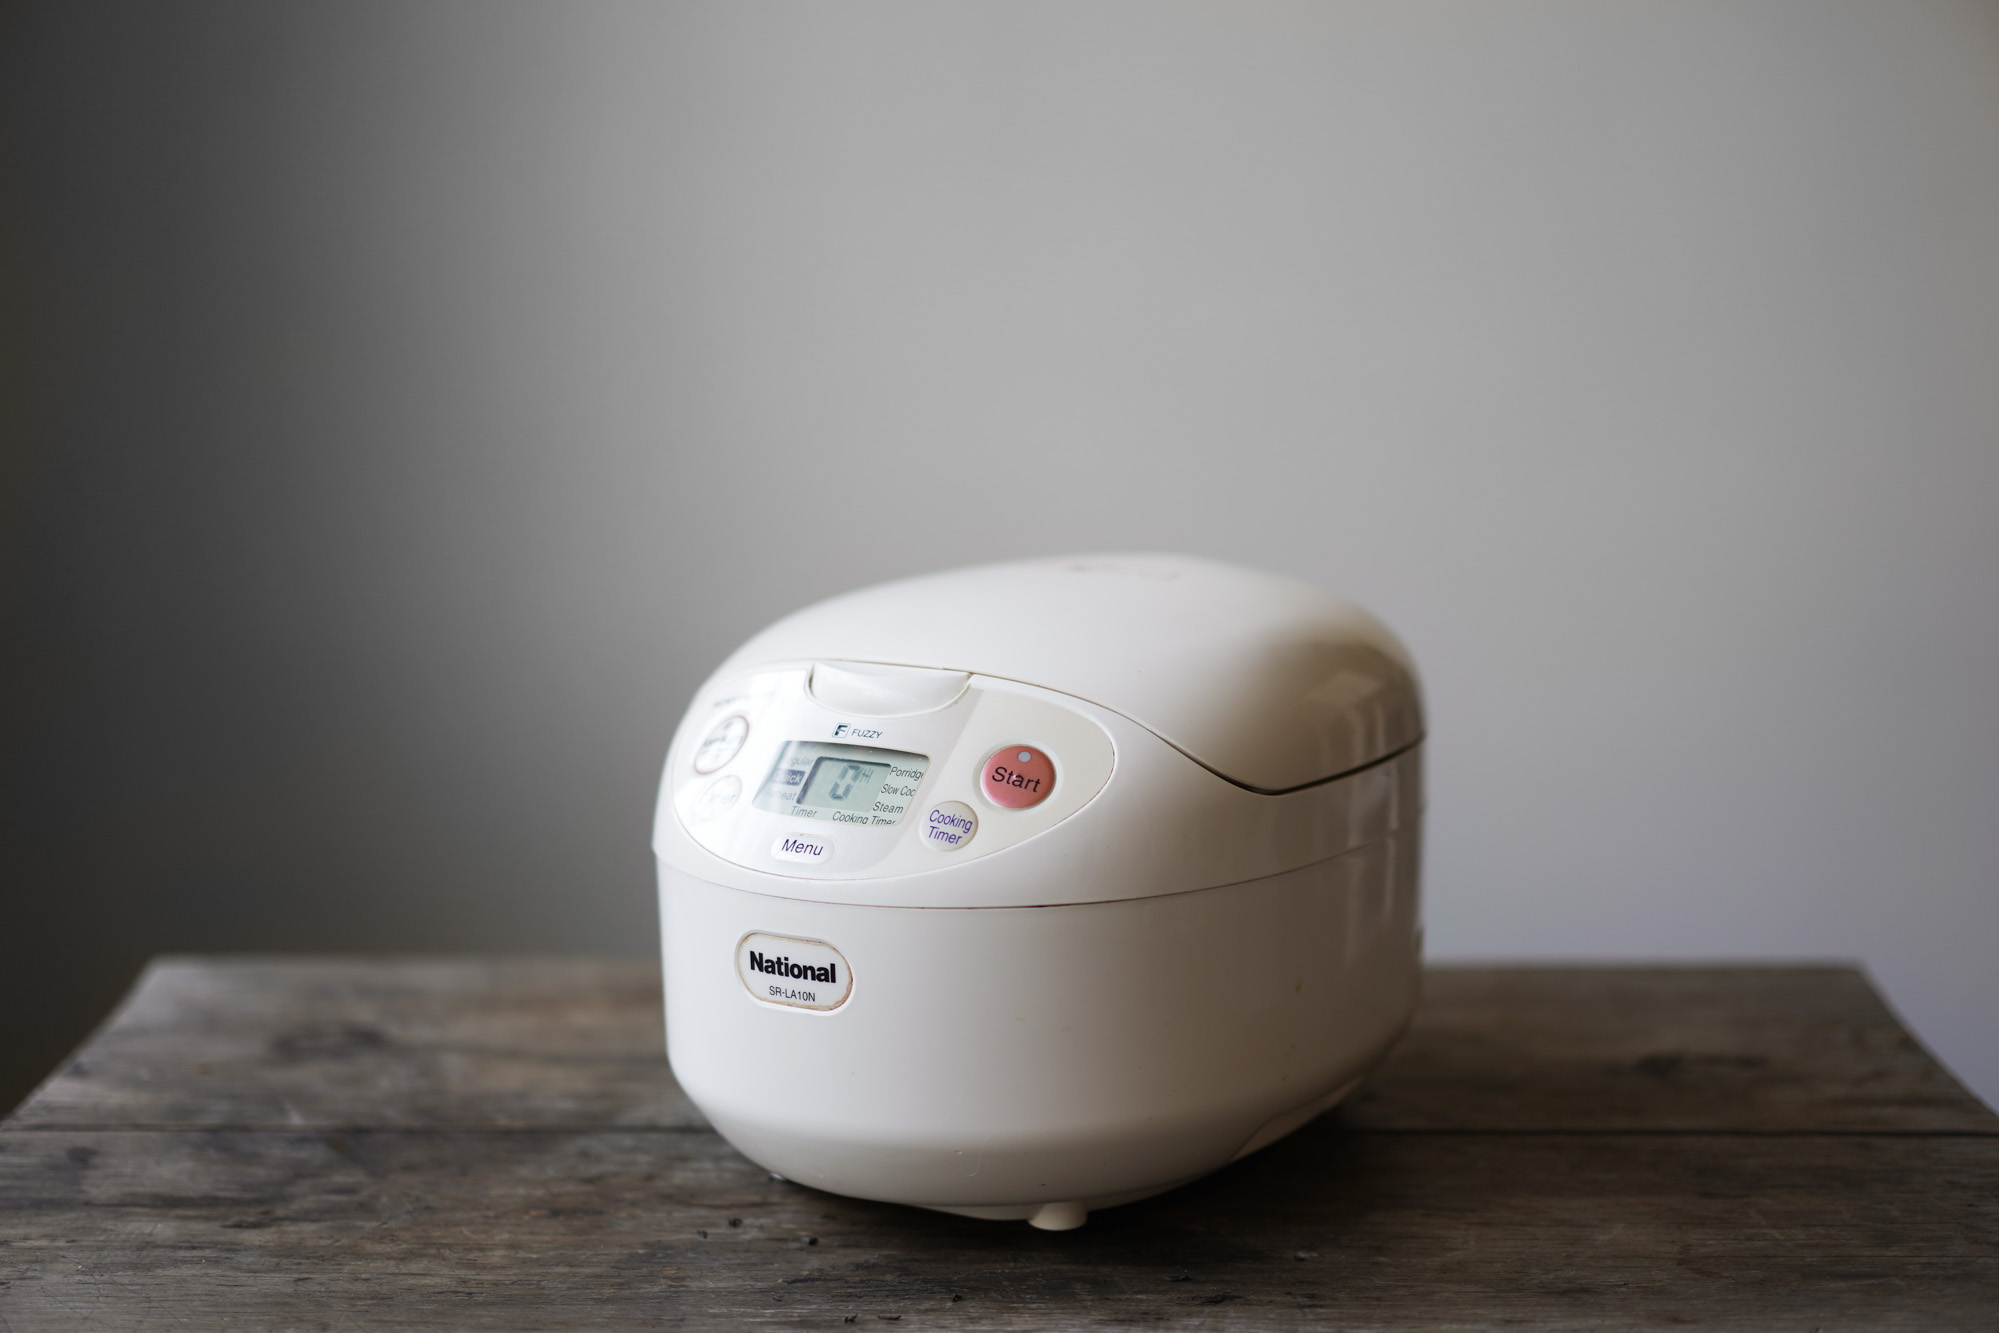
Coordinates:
(1060, 1216)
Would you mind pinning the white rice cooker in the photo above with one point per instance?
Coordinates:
(1033, 888)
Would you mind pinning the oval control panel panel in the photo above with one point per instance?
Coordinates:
(771, 775)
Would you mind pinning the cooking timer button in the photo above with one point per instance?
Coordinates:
(948, 826)
(722, 743)
(807, 847)
(1017, 777)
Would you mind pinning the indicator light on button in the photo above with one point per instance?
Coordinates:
(1017, 777)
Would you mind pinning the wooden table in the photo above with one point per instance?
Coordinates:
(323, 1143)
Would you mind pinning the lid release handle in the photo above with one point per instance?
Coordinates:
(872, 689)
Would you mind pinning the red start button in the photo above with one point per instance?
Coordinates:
(1017, 776)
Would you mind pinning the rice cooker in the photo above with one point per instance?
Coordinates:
(1033, 888)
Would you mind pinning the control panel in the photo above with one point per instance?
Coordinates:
(843, 770)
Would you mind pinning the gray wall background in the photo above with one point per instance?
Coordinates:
(409, 402)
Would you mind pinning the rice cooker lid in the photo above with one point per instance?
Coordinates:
(1265, 680)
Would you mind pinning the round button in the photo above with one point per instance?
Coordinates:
(722, 743)
(1017, 777)
(949, 826)
(719, 797)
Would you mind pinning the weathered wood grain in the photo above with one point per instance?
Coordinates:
(577, 1042)
(375, 1042)
(334, 1143)
(1683, 1048)
(1333, 1228)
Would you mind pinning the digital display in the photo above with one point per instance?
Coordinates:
(847, 784)
(843, 784)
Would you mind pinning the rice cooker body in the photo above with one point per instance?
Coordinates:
(943, 937)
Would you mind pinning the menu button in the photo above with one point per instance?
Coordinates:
(808, 847)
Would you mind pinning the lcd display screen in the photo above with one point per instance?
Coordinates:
(847, 784)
